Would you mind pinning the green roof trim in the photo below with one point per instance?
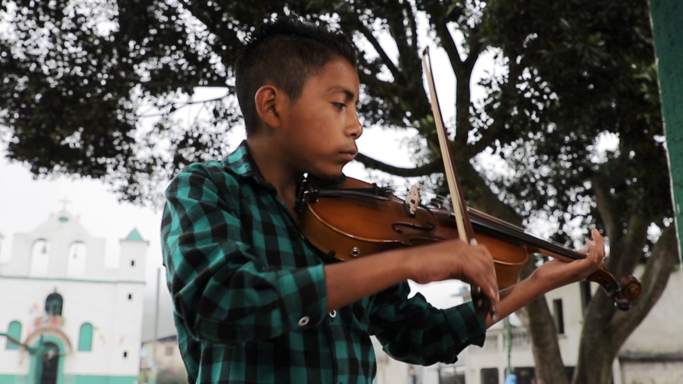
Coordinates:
(134, 236)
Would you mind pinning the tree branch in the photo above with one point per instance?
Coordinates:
(476, 47)
(606, 206)
(632, 244)
(423, 170)
(166, 84)
(436, 14)
(382, 53)
(463, 71)
(372, 81)
(411, 21)
(617, 169)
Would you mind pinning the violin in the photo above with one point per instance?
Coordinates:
(350, 218)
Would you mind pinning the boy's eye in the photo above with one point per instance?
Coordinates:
(339, 106)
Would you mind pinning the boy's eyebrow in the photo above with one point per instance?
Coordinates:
(350, 95)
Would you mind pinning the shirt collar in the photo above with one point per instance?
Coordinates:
(241, 164)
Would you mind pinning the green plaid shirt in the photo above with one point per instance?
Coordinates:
(250, 296)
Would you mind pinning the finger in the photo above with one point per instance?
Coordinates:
(595, 250)
(591, 253)
(491, 286)
(487, 282)
(483, 275)
(595, 258)
(599, 241)
(480, 271)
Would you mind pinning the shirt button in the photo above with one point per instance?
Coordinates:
(333, 314)
(304, 320)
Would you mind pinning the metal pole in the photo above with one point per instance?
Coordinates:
(508, 342)
(153, 378)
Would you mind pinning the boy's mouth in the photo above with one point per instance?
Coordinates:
(348, 155)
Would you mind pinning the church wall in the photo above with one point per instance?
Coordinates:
(59, 235)
(109, 299)
(105, 305)
(132, 261)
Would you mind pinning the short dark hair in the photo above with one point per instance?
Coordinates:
(285, 52)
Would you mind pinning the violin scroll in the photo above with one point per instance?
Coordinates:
(630, 287)
(623, 293)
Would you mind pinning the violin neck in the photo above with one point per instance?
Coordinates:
(486, 224)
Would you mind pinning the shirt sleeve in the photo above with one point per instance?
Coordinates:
(221, 291)
(413, 331)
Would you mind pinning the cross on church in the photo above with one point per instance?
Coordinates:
(64, 201)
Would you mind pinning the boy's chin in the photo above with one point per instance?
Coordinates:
(326, 175)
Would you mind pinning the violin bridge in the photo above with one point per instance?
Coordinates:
(412, 201)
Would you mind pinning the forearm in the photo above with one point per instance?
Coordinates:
(444, 260)
(351, 281)
(516, 297)
(551, 275)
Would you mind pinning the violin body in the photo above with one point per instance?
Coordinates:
(352, 226)
(354, 219)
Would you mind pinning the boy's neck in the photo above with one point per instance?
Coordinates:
(274, 168)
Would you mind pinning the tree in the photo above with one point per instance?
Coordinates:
(81, 79)
(589, 76)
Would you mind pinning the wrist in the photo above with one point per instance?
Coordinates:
(407, 264)
(539, 285)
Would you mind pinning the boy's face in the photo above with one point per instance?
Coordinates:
(321, 127)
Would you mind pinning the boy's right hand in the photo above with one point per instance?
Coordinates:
(454, 259)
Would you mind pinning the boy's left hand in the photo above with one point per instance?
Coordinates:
(555, 273)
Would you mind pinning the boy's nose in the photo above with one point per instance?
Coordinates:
(356, 128)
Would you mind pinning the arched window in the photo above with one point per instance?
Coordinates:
(53, 304)
(76, 262)
(85, 337)
(40, 257)
(14, 331)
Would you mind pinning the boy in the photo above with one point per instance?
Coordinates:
(254, 301)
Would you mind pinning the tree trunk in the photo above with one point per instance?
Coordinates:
(549, 366)
(543, 335)
(605, 329)
(595, 361)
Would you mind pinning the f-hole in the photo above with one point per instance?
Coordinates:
(395, 226)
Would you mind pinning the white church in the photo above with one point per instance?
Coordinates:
(65, 317)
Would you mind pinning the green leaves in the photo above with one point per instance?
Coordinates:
(579, 69)
(101, 89)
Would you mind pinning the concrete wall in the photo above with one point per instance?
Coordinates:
(653, 354)
(167, 356)
(494, 352)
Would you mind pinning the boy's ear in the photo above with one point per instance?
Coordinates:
(266, 102)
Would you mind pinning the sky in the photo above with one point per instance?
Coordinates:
(26, 202)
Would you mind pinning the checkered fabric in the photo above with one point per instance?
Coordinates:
(250, 296)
